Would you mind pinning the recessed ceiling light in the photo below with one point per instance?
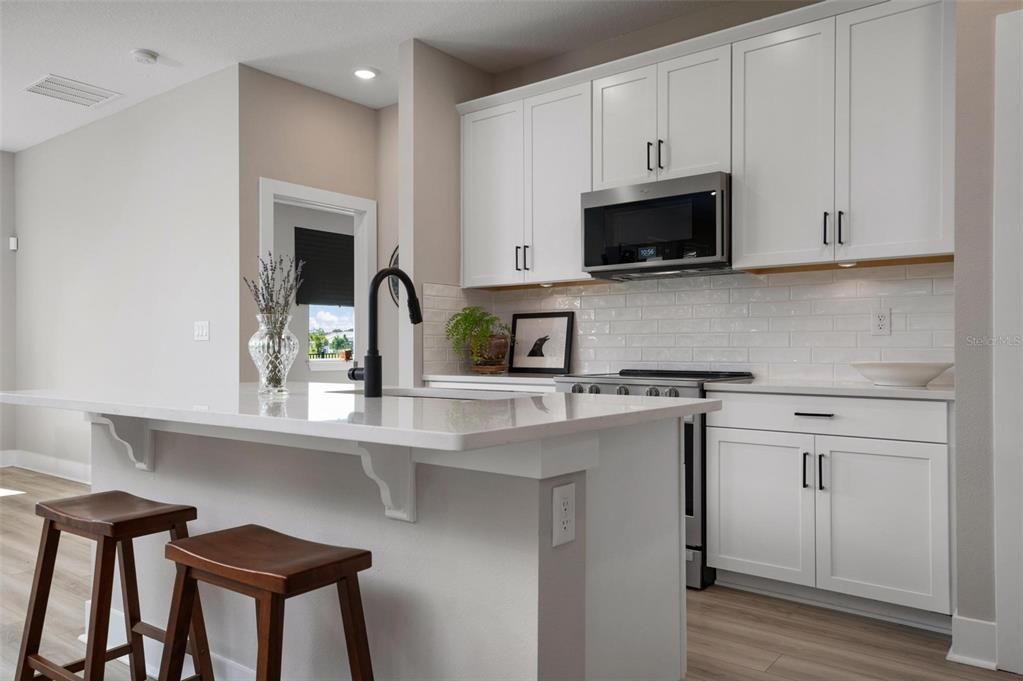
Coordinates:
(365, 73)
(144, 56)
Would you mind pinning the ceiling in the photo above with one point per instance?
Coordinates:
(313, 43)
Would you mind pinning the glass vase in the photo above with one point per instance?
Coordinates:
(273, 349)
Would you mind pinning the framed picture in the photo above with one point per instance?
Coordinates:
(542, 342)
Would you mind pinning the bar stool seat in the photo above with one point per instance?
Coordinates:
(270, 567)
(267, 560)
(113, 520)
(114, 514)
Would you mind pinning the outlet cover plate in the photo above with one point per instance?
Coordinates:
(563, 509)
(881, 322)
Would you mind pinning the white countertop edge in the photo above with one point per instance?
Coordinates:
(508, 379)
(654, 409)
(939, 393)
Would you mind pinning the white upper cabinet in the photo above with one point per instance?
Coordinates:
(492, 196)
(783, 136)
(895, 131)
(624, 128)
(693, 114)
(557, 172)
(882, 520)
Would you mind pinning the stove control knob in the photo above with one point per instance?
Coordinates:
(593, 389)
(578, 388)
(671, 392)
(652, 392)
(622, 390)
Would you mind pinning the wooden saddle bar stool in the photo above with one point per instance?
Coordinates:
(113, 520)
(270, 567)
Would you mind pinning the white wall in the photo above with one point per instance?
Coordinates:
(800, 325)
(7, 283)
(286, 218)
(129, 233)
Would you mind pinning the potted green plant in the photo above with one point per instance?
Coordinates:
(483, 335)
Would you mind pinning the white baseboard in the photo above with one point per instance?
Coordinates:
(224, 669)
(911, 617)
(76, 471)
(974, 642)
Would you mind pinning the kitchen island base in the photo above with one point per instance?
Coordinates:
(473, 589)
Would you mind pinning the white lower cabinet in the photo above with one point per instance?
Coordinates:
(859, 516)
(760, 497)
(882, 520)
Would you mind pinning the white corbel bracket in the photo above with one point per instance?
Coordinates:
(394, 472)
(134, 434)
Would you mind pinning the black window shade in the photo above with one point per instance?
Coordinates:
(328, 274)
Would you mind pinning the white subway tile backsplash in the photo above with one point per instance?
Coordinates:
(772, 355)
(792, 325)
(649, 299)
(611, 314)
(802, 307)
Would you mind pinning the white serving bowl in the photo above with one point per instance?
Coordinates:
(903, 374)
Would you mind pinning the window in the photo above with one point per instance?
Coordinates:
(331, 332)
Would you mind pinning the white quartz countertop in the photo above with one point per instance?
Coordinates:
(944, 393)
(452, 420)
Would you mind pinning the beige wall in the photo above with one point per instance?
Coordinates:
(296, 134)
(713, 17)
(430, 84)
(129, 234)
(7, 281)
(975, 21)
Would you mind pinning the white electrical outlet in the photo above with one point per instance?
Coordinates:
(881, 322)
(564, 514)
(201, 331)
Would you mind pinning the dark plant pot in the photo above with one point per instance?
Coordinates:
(495, 358)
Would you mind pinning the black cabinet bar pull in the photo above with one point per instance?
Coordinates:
(820, 472)
(517, 249)
(649, 148)
(660, 145)
(525, 257)
(826, 228)
(840, 214)
(805, 455)
(814, 414)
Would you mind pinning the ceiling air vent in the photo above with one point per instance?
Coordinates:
(73, 91)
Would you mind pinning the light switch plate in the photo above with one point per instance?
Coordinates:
(563, 510)
(201, 331)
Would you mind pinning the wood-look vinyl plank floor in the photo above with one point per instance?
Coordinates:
(733, 635)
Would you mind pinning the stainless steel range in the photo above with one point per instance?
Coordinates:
(655, 383)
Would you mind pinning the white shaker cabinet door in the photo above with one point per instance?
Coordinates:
(895, 131)
(492, 196)
(783, 139)
(882, 520)
(760, 503)
(694, 95)
(557, 129)
(625, 128)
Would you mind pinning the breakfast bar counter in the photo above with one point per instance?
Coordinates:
(452, 491)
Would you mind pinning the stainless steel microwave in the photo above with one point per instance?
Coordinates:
(658, 229)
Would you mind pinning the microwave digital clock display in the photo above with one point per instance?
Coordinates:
(647, 252)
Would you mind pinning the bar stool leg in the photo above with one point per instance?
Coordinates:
(176, 639)
(200, 642)
(270, 624)
(132, 612)
(355, 628)
(38, 599)
(99, 619)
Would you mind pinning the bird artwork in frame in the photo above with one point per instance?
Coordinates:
(542, 342)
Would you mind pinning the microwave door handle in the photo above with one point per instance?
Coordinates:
(649, 163)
